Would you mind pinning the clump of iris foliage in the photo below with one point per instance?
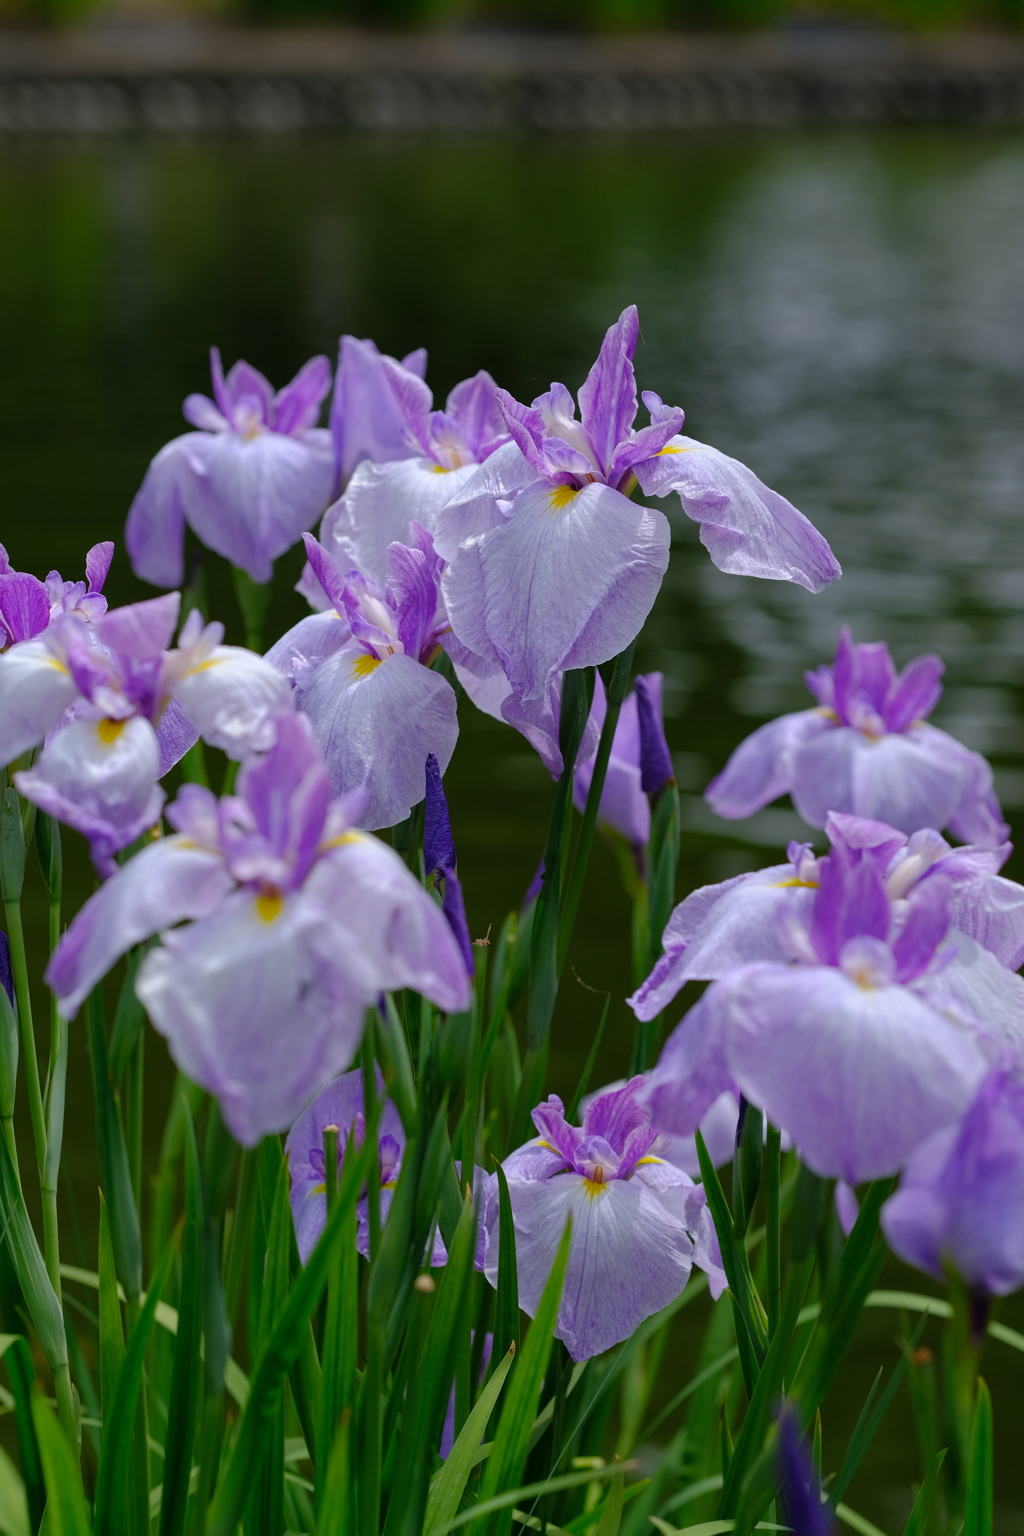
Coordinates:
(389, 1282)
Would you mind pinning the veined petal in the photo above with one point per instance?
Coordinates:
(24, 606)
(567, 581)
(761, 768)
(259, 494)
(607, 1294)
(155, 531)
(175, 735)
(233, 699)
(380, 503)
(991, 910)
(399, 935)
(308, 643)
(100, 777)
(375, 723)
(35, 690)
(747, 529)
(366, 420)
(976, 989)
(473, 509)
(901, 780)
(608, 395)
(170, 879)
(693, 1070)
(859, 1076)
(254, 1009)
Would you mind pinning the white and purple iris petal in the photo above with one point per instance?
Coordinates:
(28, 605)
(255, 475)
(624, 806)
(868, 751)
(552, 566)
(960, 1204)
(362, 674)
(401, 461)
(626, 1205)
(116, 709)
(292, 924)
(867, 1030)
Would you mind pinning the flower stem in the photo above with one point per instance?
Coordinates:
(773, 1227)
(19, 966)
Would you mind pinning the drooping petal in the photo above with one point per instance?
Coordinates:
(693, 1070)
(974, 988)
(35, 689)
(747, 529)
(380, 504)
(259, 494)
(473, 508)
(155, 531)
(375, 723)
(366, 421)
(991, 910)
(140, 630)
(167, 881)
(309, 642)
(761, 768)
(398, 933)
(100, 777)
(858, 1076)
(908, 781)
(567, 581)
(255, 1008)
(608, 1291)
(233, 698)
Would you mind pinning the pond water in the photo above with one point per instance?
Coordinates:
(844, 312)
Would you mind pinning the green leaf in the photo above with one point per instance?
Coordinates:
(611, 1518)
(506, 1309)
(40, 1298)
(397, 1065)
(869, 1423)
(588, 1067)
(856, 1522)
(512, 1441)
(15, 1351)
(917, 1525)
(503, 1502)
(449, 1482)
(978, 1501)
(265, 1516)
(186, 1378)
(111, 1331)
(338, 1358)
(733, 1259)
(66, 1510)
(129, 1016)
(13, 1502)
(115, 1175)
(111, 1508)
(281, 1350)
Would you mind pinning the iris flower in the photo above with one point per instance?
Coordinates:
(868, 750)
(624, 806)
(292, 923)
(257, 472)
(362, 674)
(28, 605)
(117, 709)
(552, 566)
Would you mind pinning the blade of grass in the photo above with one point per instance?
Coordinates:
(449, 1483)
(869, 1423)
(734, 1259)
(978, 1502)
(15, 1351)
(66, 1510)
(186, 1377)
(115, 1173)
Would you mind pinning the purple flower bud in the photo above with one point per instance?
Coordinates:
(805, 1513)
(655, 759)
(455, 912)
(6, 977)
(438, 842)
(533, 890)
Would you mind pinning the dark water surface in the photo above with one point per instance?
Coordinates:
(844, 312)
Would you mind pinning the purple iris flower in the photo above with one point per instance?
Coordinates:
(960, 1204)
(639, 1224)
(117, 709)
(537, 719)
(257, 472)
(720, 927)
(400, 460)
(624, 804)
(28, 605)
(297, 923)
(803, 1511)
(869, 1027)
(439, 858)
(553, 567)
(865, 749)
(362, 674)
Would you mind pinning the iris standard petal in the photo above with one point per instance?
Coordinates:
(259, 494)
(233, 699)
(747, 528)
(100, 777)
(380, 503)
(399, 934)
(253, 1008)
(895, 779)
(567, 581)
(761, 768)
(375, 722)
(35, 690)
(154, 534)
(167, 881)
(859, 1076)
(628, 1257)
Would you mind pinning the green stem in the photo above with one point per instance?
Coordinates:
(773, 1224)
(19, 965)
(55, 1083)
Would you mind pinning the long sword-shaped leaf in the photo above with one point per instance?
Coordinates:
(112, 1483)
(115, 1174)
(869, 1423)
(186, 1377)
(265, 1516)
(43, 1306)
(13, 1503)
(66, 1510)
(449, 1483)
(978, 1503)
(512, 1441)
(15, 1351)
(733, 1259)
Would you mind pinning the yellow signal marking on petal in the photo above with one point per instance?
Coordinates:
(269, 904)
(109, 730)
(807, 885)
(641, 1160)
(58, 665)
(364, 665)
(319, 1189)
(595, 1187)
(437, 469)
(561, 496)
(341, 841)
(391, 1184)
